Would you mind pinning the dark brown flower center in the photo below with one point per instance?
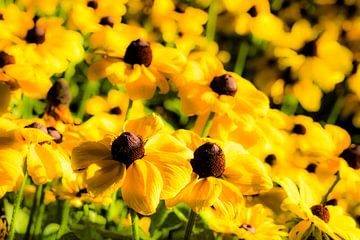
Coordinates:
(309, 49)
(252, 12)
(115, 111)
(35, 35)
(311, 168)
(55, 134)
(127, 148)
(224, 85)
(321, 211)
(299, 129)
(248, 227)
(59, 93)
(38, 126)
(107, 21)
(92, 4)
(270, 159)
(352, 156)
(6, 59)
(208, 161)
(81, 191)
(138, 52)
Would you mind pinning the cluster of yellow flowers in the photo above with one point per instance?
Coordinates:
(118, 110)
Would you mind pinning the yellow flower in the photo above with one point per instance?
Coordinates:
(148, 165)
(222, 172)
(252, 223)
(305, 203)
(90, 16)
(142, 68)
(206, 87)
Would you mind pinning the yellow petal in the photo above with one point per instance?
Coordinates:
(88, 153)
(204, 193)
(245, 170)
(145, 127)
(163, 142)
(105, 177)
(142, 187)
(41, 165)
(174, 169)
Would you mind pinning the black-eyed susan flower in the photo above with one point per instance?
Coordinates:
(221, 174)
(147, 165)
(142, 68)
(252, 223)
(11, 168)
(316, 219)
(95, 14)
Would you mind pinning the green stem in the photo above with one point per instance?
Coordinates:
(211, 24)
(289, 105)
(134, 225)
(190, 225)
(64, 219)
(26, 107)
(18, 200)
(40, 215)
(336, 110)
(324, 200)
(128, 111)
(208, 125)
(88, 88)
(36, 203)
(241, 58)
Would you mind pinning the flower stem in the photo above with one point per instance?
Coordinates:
(208, 125)
(64, 219)
(128, 111)
(88, 90)
(26, 107)
(337, 174)
(289, 105)
(18, 200)
(36, 203)
(40, 215)
(190, 225)
(336, 110)
(241, 57)
(211, 24)
(134, 225)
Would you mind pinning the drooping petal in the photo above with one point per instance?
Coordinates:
(142, 187)
(105, 177)
(175, 171)
(88, 153)
(245, 170)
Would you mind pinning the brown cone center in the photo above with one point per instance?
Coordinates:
(127, 148)
(208, 161)
(138, 52)
(224, 85)
(321, 211)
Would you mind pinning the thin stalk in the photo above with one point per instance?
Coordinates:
(36, 203)
(324, 199)
(212, 19)
(64, 219)
(17, 203)
(40, 215)
(208, 125)
(289, 105)
(336, 110)
(134, 225)
(241, 58)
(26, 107)
(190, 225)
(88, 91)
(128, 111)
